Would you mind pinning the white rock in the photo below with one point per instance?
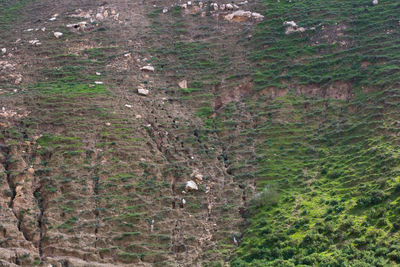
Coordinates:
(108, 124)
(191, 185)
(127, 55)
(189, 3)
(58, 34)
(138, 116)
(99, 16)
(29, 30)
(43, 29)
(183, 201)
(147, 68)
(290, 23)
(142, 91)
(35, 42)
(197, 175)
(128, 106)
(165, 10)
(222, 6)
(374, 2)
(183, 84)
(238, 14)
(229, 6)
(215, 6)
(257, 16)
(105, 14)
(184, 6)
(98, 73)
(201, 4)
(4, 50)
(52, 19)
(98, 82)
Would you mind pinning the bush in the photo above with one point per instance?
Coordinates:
(269, 196)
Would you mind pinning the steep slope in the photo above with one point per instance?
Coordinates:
(287, 123)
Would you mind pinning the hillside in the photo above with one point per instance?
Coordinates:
(227, 133)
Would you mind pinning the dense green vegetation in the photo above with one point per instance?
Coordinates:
(333, 163)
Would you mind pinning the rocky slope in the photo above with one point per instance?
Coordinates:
(171, 133)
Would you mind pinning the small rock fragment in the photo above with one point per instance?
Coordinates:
(183, 84)
(35, 42)
(58, 34)
(98, 82)
(165, 10)
(191, 185)
(99, 16)
(128, 106)
(374, 2)
(142, 91)
(147, 68)
(4, 50)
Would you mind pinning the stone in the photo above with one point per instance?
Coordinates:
(257, 16)
(105, 14)
(197, 176)
(142, 91)
(147, 68)
(4, 50)
(58, 34)
(239, 15)
(35, 42)
(229, 6)
(81, 26)
(98, 82)
(374, 2)
(183, 84)
(191, 186)
(201, 4)
(99, 16)
(128, 106)
(290, 23)
(31, 170)
(165, 10)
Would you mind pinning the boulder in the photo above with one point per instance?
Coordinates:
(191, 186)
(239, 15)
(374, 2)
(142, 91)
(99, 16)
(58, 34)
(183, 84)
(147, 68)
(197, 176)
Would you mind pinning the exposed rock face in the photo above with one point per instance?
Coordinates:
(241, 15)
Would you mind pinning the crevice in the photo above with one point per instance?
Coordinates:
(39, 199)
(6, 152)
